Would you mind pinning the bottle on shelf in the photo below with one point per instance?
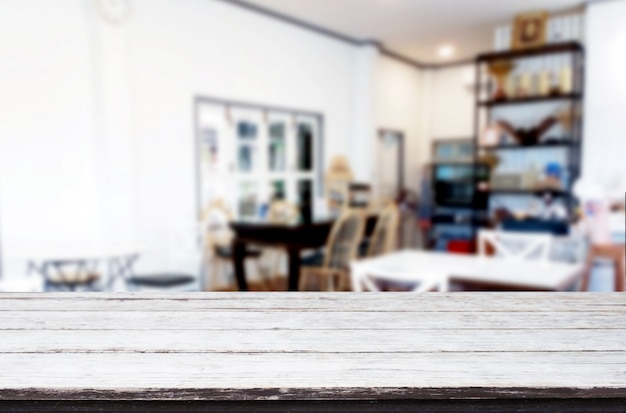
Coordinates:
(555, 89)
(535, 73)
(565, 173)
(544, 78)
(533, 176)
(566, 77)
(523, 87)
(557, 30)
(510, 86)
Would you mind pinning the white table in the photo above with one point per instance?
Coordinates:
(439, 269)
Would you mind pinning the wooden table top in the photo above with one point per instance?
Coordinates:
(305, 346)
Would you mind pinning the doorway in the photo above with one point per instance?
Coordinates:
(390, 163)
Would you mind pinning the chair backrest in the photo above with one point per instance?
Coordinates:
(385, 235)
(344, 238)
(373, 283)
(283, 212)
(215, 220)
(514, 245)
(359, 195)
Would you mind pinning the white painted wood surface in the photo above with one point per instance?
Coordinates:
(311, 345)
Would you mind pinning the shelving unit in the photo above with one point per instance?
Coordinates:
(560, 145)
(547, 145)
(453, 172)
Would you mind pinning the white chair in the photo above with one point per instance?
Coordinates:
(373, 278)
(515, 245)
(373, 283)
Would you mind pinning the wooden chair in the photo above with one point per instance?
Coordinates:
(385, 235)
(514, 245)
(337, 181)
(614, 253)
(341, 249)
(359, 195)
(281, 213)
(217, 250)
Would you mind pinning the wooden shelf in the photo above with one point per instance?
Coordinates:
(532, 99)
(453, 163)
(554, 192)
(451, 219)
(548, 145)
(566, 47)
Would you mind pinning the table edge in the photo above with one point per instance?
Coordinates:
(327, 394)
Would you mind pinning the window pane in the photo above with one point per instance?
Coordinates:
(277, 154)
(277, 190)
(246, 152)
(248, 199)
(305, 199)
(305, 147)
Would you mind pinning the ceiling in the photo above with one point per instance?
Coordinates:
(416, 28)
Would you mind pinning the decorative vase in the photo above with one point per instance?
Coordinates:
(500, 70)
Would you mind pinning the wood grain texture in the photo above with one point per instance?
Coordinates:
(474, 350)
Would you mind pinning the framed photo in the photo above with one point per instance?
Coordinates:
(529, 30)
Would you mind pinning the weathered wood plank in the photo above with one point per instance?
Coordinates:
(304, 320)
(382, 302)
(335, 347)
(300, 341)
(122, 371)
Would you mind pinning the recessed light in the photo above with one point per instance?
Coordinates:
(446, 51)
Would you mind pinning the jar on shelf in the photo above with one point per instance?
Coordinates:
(566, 80)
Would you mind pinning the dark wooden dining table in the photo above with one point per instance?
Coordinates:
(292, 238)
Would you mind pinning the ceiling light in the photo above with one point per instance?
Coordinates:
(445, 51)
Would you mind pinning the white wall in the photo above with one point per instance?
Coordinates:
(97, 139)
(399, 94)
(366, 77)
(451, 103)
(99, 142)
(180, 49)
(605, 92)
(48, 192)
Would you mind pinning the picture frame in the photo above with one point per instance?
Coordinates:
(529, 30)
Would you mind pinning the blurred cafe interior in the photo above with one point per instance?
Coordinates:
(344, 145)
